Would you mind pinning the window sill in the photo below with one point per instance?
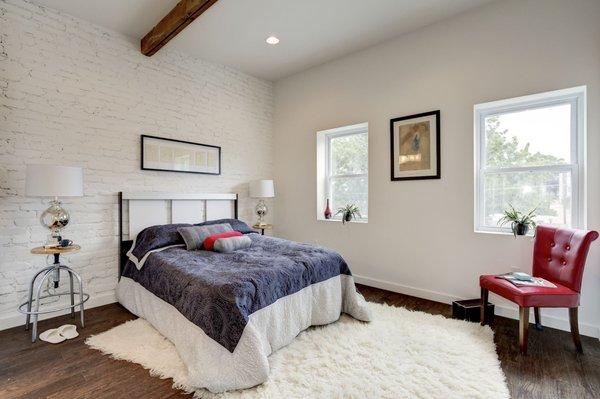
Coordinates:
(501, 233)
(361, 221)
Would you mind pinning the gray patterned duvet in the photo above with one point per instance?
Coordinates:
(218, 292)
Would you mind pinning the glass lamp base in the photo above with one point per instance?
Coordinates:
(54, 218)
(261, 210)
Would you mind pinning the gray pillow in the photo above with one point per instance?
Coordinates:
(194, 236)
(230, 244)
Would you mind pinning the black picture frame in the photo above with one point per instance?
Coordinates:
(438, 161)
(143, 167)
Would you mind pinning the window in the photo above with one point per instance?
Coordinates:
(343, 169)
(529, 153)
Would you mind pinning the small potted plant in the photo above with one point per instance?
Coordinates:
(349, 212)
(520, 223)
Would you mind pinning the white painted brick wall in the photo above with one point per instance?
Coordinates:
(73, 93)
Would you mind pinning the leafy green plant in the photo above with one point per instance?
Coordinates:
(348, 212)
(520, 222)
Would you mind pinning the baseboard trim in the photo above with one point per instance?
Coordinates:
(406, 289)
(15, 318)
(588, 330)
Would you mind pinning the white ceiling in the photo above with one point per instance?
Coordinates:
(233, 32)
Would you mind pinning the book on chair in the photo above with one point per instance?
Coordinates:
(524, 280)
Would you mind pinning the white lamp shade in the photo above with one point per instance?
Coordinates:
(262, 189)
(54, 181)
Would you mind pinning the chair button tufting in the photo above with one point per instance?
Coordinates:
(552, 244)
(564, 262)
(567, 247)
(549, 259)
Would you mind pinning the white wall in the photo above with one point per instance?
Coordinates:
(420, 239)
(76, 94)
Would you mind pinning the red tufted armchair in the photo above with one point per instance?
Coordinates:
(558, 256)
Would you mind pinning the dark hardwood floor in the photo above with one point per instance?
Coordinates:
(70, 370)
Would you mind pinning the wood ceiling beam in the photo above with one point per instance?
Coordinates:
(174, 22)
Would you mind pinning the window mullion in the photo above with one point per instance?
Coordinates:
(524, 169)
(349, 176)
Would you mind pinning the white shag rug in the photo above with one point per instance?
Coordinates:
(400, 354)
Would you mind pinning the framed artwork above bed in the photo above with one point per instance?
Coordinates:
(171, 155)
(415, 146)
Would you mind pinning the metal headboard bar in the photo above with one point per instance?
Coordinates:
(124, 245)
(176, 196)
(121, 252)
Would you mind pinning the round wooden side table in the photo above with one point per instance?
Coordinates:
(262, 228)
(52, 271)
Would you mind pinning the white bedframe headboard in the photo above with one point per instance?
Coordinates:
(138, 210)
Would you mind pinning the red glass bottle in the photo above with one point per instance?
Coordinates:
(327, 212)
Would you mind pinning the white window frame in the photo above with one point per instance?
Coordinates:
(575, 96)
(324, 175)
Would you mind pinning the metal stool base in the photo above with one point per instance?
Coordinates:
(47, 272)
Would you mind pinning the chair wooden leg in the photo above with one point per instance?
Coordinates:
(523, 328)
(573, 319)
(538, 320)
(484, 300)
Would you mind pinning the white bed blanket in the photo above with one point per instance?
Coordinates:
(212, 366)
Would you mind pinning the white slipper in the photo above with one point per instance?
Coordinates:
(68, 331)
(52, 336)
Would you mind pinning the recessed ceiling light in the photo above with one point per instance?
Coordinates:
(272, 40)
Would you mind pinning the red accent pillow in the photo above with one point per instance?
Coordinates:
(209, 242)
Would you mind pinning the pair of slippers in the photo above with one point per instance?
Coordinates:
(58, 335)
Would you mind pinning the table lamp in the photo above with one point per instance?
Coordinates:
(262, 189)
(54, 181)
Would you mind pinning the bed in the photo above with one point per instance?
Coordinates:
(225, 312)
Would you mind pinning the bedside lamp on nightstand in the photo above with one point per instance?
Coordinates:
(54, 181)
(262, 189)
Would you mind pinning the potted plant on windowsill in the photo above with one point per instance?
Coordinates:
(520, 223)
(349, 212)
